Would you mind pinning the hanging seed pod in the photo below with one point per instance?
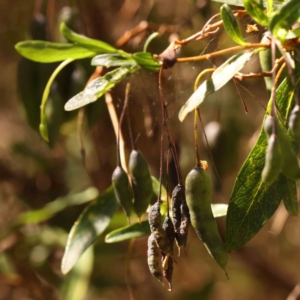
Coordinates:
(154, 217)
(198, 198)
(273, 162)
(290, 167)
(167, 261)
(177, 198)
(181, 216)
(294, 122)
(162, 241)
(168, 227)
(122, 190)
(153, 259)
(141, 182)
(184, 225)
(168, 273)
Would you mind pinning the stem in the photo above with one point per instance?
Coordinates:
(221, 52)
(167, 185)
(165, 117)
(196, 138)
(207, 28)
(114, 120)
(120, 122)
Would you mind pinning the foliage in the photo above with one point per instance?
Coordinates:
(252, 202)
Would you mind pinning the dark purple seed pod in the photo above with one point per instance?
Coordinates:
(168, 273)
(154, 217)
(153, 259)
(168, 227)
(177, 198)
(184, 225)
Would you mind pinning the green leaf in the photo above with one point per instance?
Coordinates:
(253, 203)
(147, 61)
(151, 37)
(218, 79)
(43, 127)
(91, 44)
(52, 208)
(284, 18)
(128, 232)
(47, 52)
(98, 87)
(231, 26)
(275, 4)
(113, 60)
(255, 9)
(90, 224)
(76, 283)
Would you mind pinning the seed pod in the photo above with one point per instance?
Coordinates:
(167, 261)
(184, 225)
(265, 59)
(198, 198)
(154, 217)
(180, 214)
(290, 166)
(294, 122)
(268, 125)
(141, 182)
(168, 227)
(122, 190)
(273, 162)
(162, 241)
(153, 259)
(177, 198)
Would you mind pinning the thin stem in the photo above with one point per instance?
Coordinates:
(161, 136)
(121, 121)
(240, 95)
(114, 120)
(167, 185)
(196, 138)
(221, 52)
(171, 141)
(207, 28)
(130, 129)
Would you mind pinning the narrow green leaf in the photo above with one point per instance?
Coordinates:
(218, 79)
(151, 37)
(76, 283)
(98, 87)
(47, 52)
(255, 9)
(274, 3)
(147, 61)
(52, 208)
(128, 232)
(284, 18)
(113, 60)
(43, 127)
(90, 224)
(231, 26)
(94, 45)
(269, 7)
(253, 203)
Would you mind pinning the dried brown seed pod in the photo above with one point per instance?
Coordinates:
(153, 259)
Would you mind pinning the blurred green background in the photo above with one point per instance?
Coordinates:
(33, 173)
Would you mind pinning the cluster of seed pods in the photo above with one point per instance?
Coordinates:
(189, 205)
(137, 195)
